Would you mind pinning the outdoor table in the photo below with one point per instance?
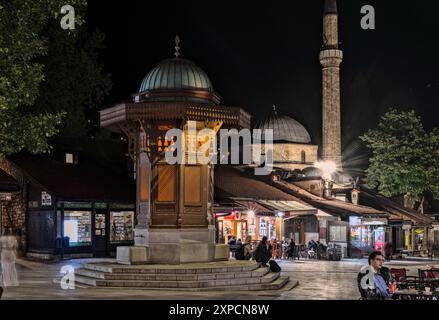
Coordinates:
(408, 294)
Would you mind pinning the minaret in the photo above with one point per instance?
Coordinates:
(331, 58)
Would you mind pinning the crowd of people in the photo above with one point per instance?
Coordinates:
(272, 249)
(374, 281)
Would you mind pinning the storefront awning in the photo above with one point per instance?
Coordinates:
(253, 206)
(286, 206)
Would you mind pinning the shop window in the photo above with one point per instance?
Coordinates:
(100, 224)
(77, 226)
(337, 233)
(122, 224)
(167, 175)
(192, 184)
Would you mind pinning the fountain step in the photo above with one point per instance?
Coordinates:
(172, 276)
(269, 281)
(200, 268)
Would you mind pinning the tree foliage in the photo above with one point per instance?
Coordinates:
(405, 158)
(75, 82)
(21, 44)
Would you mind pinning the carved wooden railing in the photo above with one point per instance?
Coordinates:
(169, 111)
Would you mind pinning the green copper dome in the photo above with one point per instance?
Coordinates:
(174, 74)
(285, 129)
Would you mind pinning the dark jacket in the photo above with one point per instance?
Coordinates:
(242, 253)
(262, 253)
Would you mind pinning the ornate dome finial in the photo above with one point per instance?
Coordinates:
(177, 46)
(274, 109)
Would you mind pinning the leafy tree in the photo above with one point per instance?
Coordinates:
(405, 158)
(21, 43)
(75, 82)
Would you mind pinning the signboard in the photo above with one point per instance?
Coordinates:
(46, 199)
(354, 221)
(100, 205)
(262, 227)
(374, 222)
(379, 237)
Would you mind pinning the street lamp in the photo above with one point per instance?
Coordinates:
(328, 168)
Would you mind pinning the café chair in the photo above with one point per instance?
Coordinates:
(403, 280)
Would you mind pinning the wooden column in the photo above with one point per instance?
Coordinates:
(143, 175)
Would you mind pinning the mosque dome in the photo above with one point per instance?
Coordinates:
(175, 74)
(177, 80)
(285, 128)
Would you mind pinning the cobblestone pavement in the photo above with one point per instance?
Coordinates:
(317, 280)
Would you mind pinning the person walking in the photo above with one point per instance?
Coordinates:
(263, 252)
(291, 249)
(8, 247)
(232, 245)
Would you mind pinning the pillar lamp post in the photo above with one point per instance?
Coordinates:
(328, 168)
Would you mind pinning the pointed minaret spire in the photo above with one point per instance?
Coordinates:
(330, 7)
(274, 109)
(177, 46)
(330, 25)
(331, 57)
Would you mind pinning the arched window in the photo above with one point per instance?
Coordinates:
(303, 156)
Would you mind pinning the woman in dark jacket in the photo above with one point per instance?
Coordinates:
(263, 252)
(290, 250)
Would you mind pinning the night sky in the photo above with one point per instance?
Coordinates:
(260, 53)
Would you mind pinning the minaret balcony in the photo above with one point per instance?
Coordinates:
(331, 57)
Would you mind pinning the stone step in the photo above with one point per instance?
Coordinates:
(260, 272)
(278, 284)
(167, 269)
(266, 280)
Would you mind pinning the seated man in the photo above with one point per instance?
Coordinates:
(263, 252)
(243, 252)
(374, 280)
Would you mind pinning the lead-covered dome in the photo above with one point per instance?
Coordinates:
(176, 74)
(285, 128)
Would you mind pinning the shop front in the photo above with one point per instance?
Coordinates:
(94, 228)
(367, 235)
(79, 229)
(231, 224)
(248, 226)
(267, 226)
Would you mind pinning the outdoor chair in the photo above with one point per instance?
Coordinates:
(403, 280)
(429, 278)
